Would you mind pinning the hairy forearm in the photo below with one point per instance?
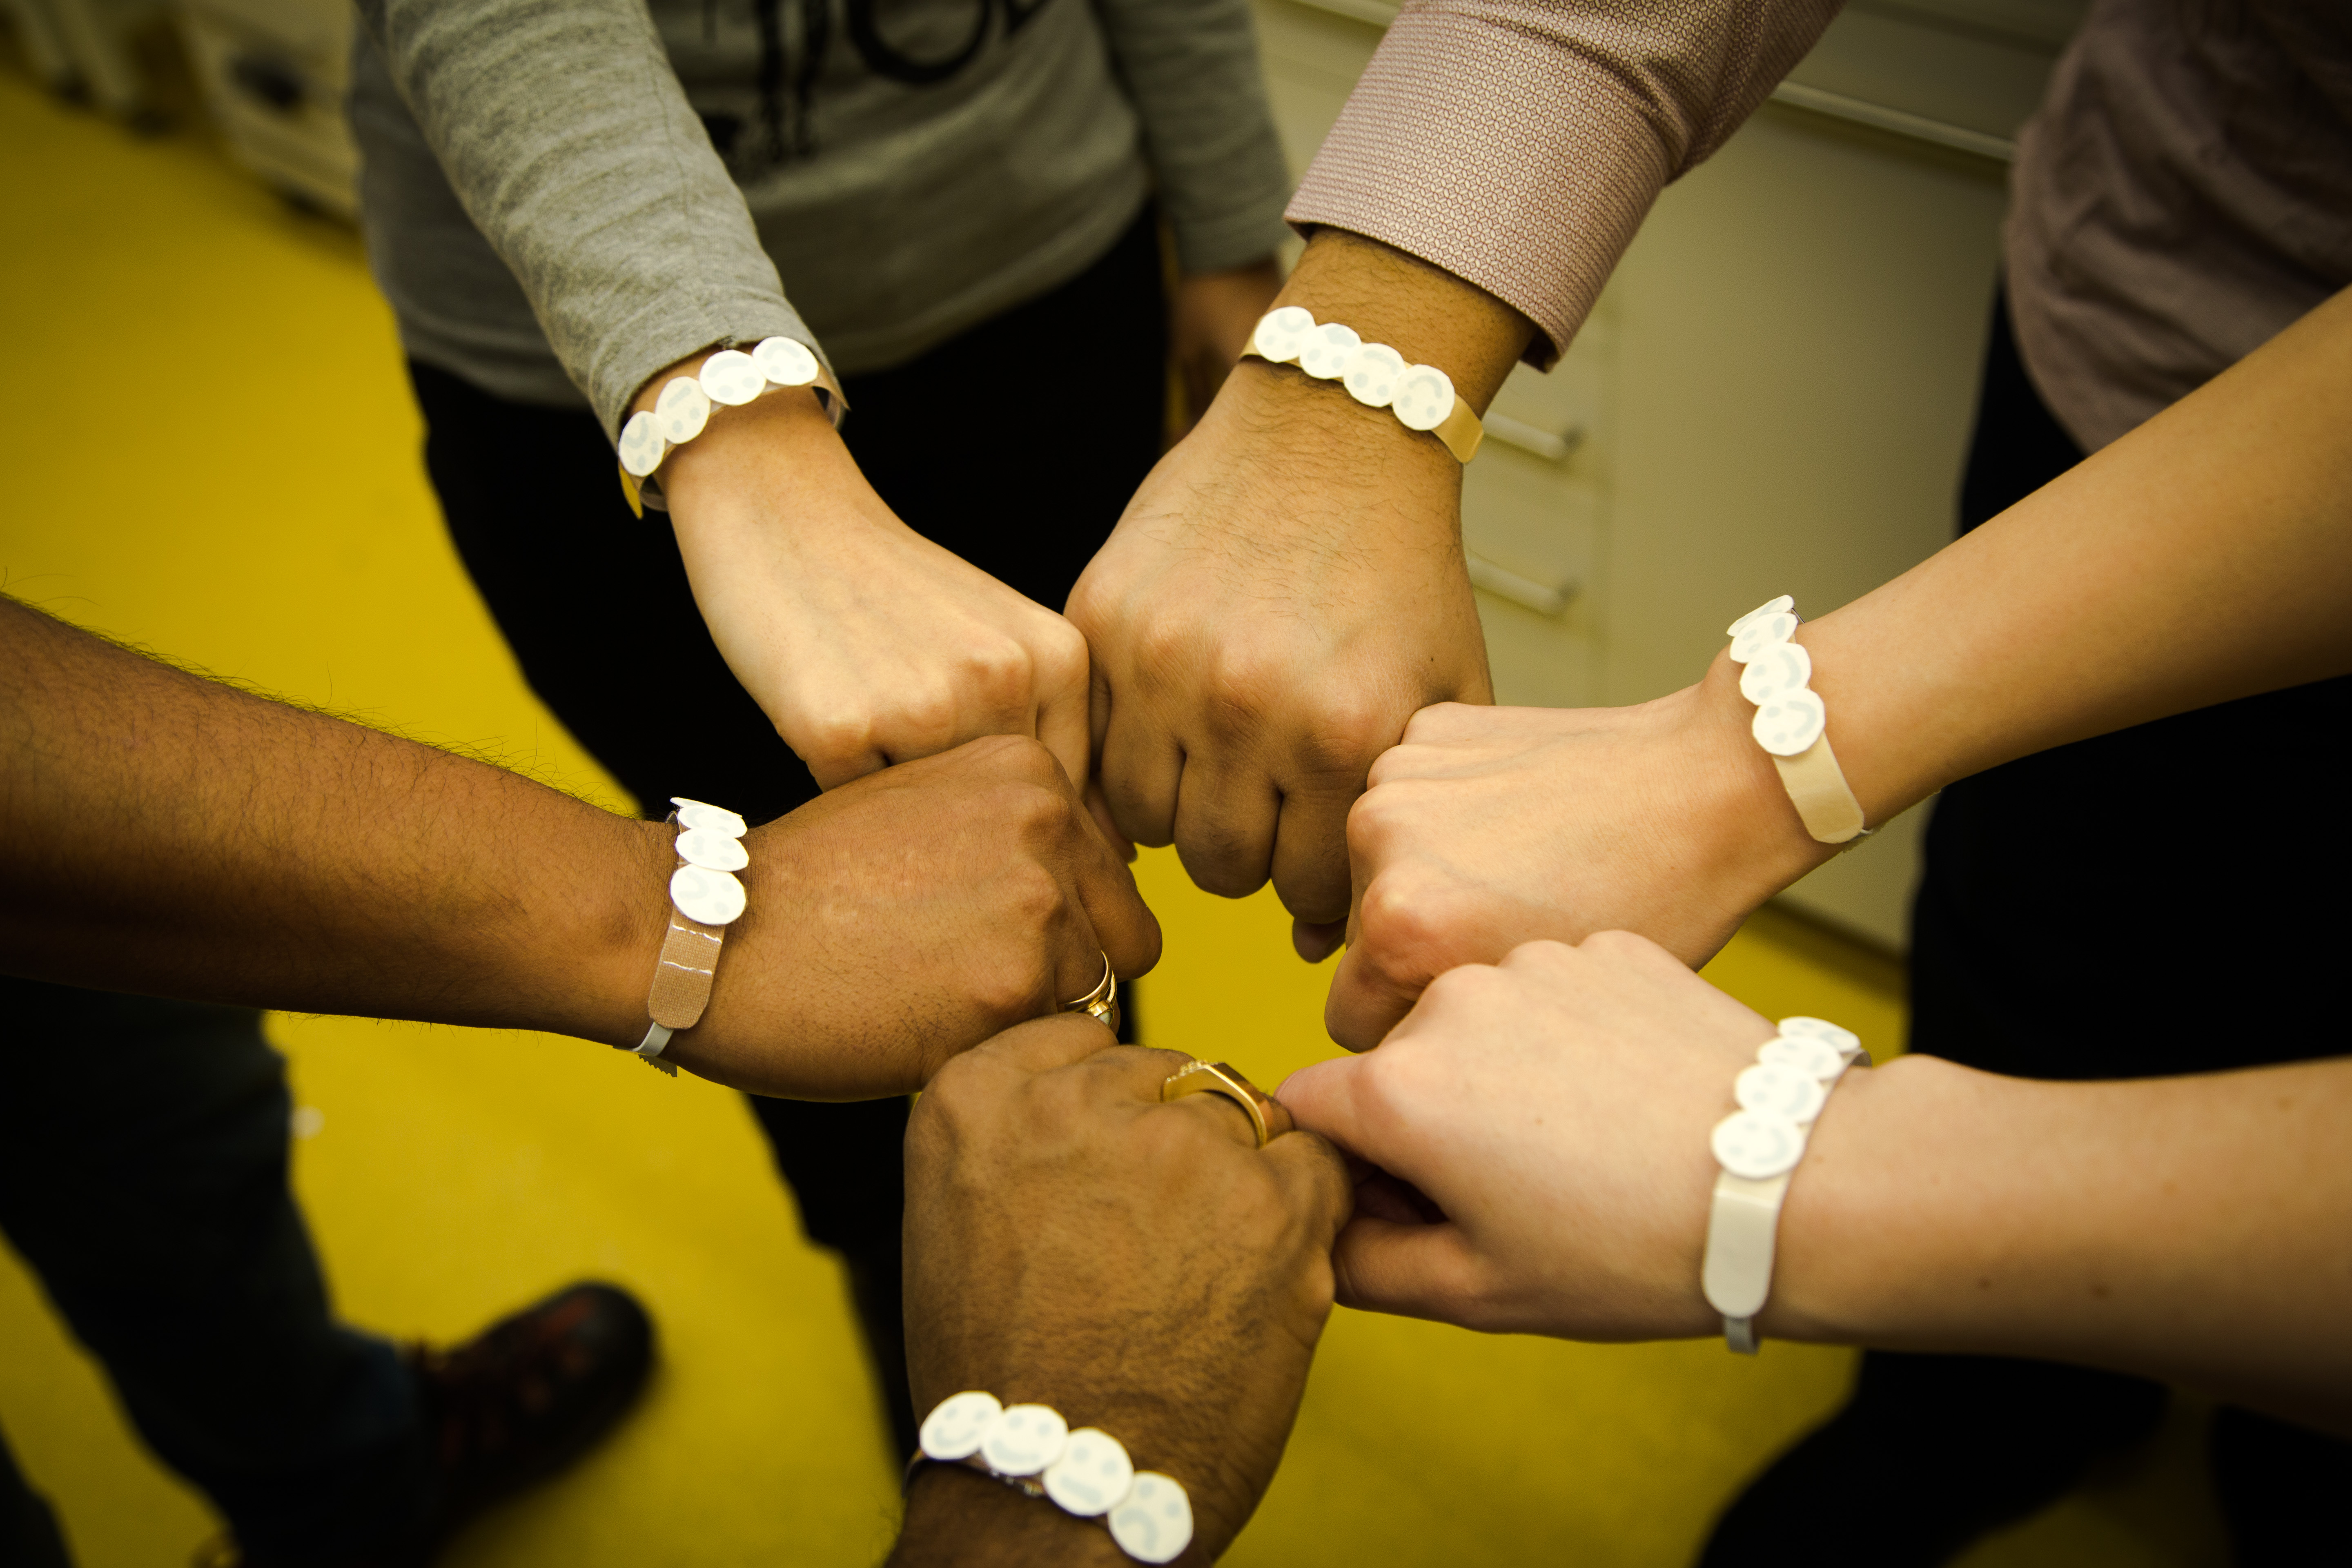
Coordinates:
(164, 834)
(2203, 557)
(2192, 1229)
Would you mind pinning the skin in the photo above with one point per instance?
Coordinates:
(1287, 589)
(2200, 558)
(1141, 1268)
(163, 834)
(864, 643)
(1551, 1116)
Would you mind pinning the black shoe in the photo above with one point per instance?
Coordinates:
(1931, 1454)
(510, 1408)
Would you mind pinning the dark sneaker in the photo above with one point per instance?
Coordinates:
(509, 1408)
(531, 1393)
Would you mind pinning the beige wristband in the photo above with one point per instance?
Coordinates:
(1791, 723)
(705, 899)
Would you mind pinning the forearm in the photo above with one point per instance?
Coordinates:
(2190, 1229)
(1191, 68)
(2203, 557)
(564, 133)
(1519, 144)
(168, 835)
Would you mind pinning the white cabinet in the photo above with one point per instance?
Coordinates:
(1774, 394)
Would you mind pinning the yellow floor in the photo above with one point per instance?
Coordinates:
(249, 497)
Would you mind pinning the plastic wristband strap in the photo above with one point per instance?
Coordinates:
(1087, 1472)
(1758, 1146)
(706, 898)
(1790, 722)
(1376, 375)
(729, 378)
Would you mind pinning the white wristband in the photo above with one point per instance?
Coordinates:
(1422, 397)
(1791, 723)
(1758, 1146)
(1087, 1472)
(729, 378)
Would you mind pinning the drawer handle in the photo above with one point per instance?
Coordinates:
(272, 83)
(1551, 446)
(1505, 583)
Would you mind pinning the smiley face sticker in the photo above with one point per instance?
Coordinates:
(1790, 723)
(1024, 1439)
(1424, 397)
(1373, 373)
(1282, 333)
(1756, 1145)
(1782, 668)
(1761, 633)
(787, 361)
(953, 1429)
(730, 376)
(1093, 1475)
(1154, 1523)
(1778, 1091)
(682, 410)
(713, 898)
(1814, 1058)
(1324, 353)
(641, 446)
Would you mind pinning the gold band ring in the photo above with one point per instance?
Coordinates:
(1268, 1116)
(1101, 1003)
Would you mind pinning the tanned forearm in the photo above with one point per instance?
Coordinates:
(164, 834)
(2192, 1229)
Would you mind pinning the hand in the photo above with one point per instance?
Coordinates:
(1210, 322)
(903, 918)
(1286, 590)
(1140, 1267)
(1555, 1111)
(1489, 827)
(864, 643)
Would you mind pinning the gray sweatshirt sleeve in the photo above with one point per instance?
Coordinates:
(569, 141)
(1191, 68)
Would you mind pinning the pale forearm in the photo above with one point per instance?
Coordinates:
(2206, 556)
(167, 834)
(2189, 1229)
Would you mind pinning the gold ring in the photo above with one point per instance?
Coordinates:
(1268, 1116)
(1101, 1003)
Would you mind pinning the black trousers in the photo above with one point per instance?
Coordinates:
(144, 1179)
(985, 444)
(2079, 918)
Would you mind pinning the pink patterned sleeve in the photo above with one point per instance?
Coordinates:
(1519, 143)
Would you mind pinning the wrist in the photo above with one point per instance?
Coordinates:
(1860, 1242)
(1424, 313)
(1757, 839)
(612, 962)
(956, 1515)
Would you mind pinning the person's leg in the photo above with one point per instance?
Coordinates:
(2075, 920)
(29, 1533)
(1918, 1429)
(2282, 1489)
(144, 1178)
